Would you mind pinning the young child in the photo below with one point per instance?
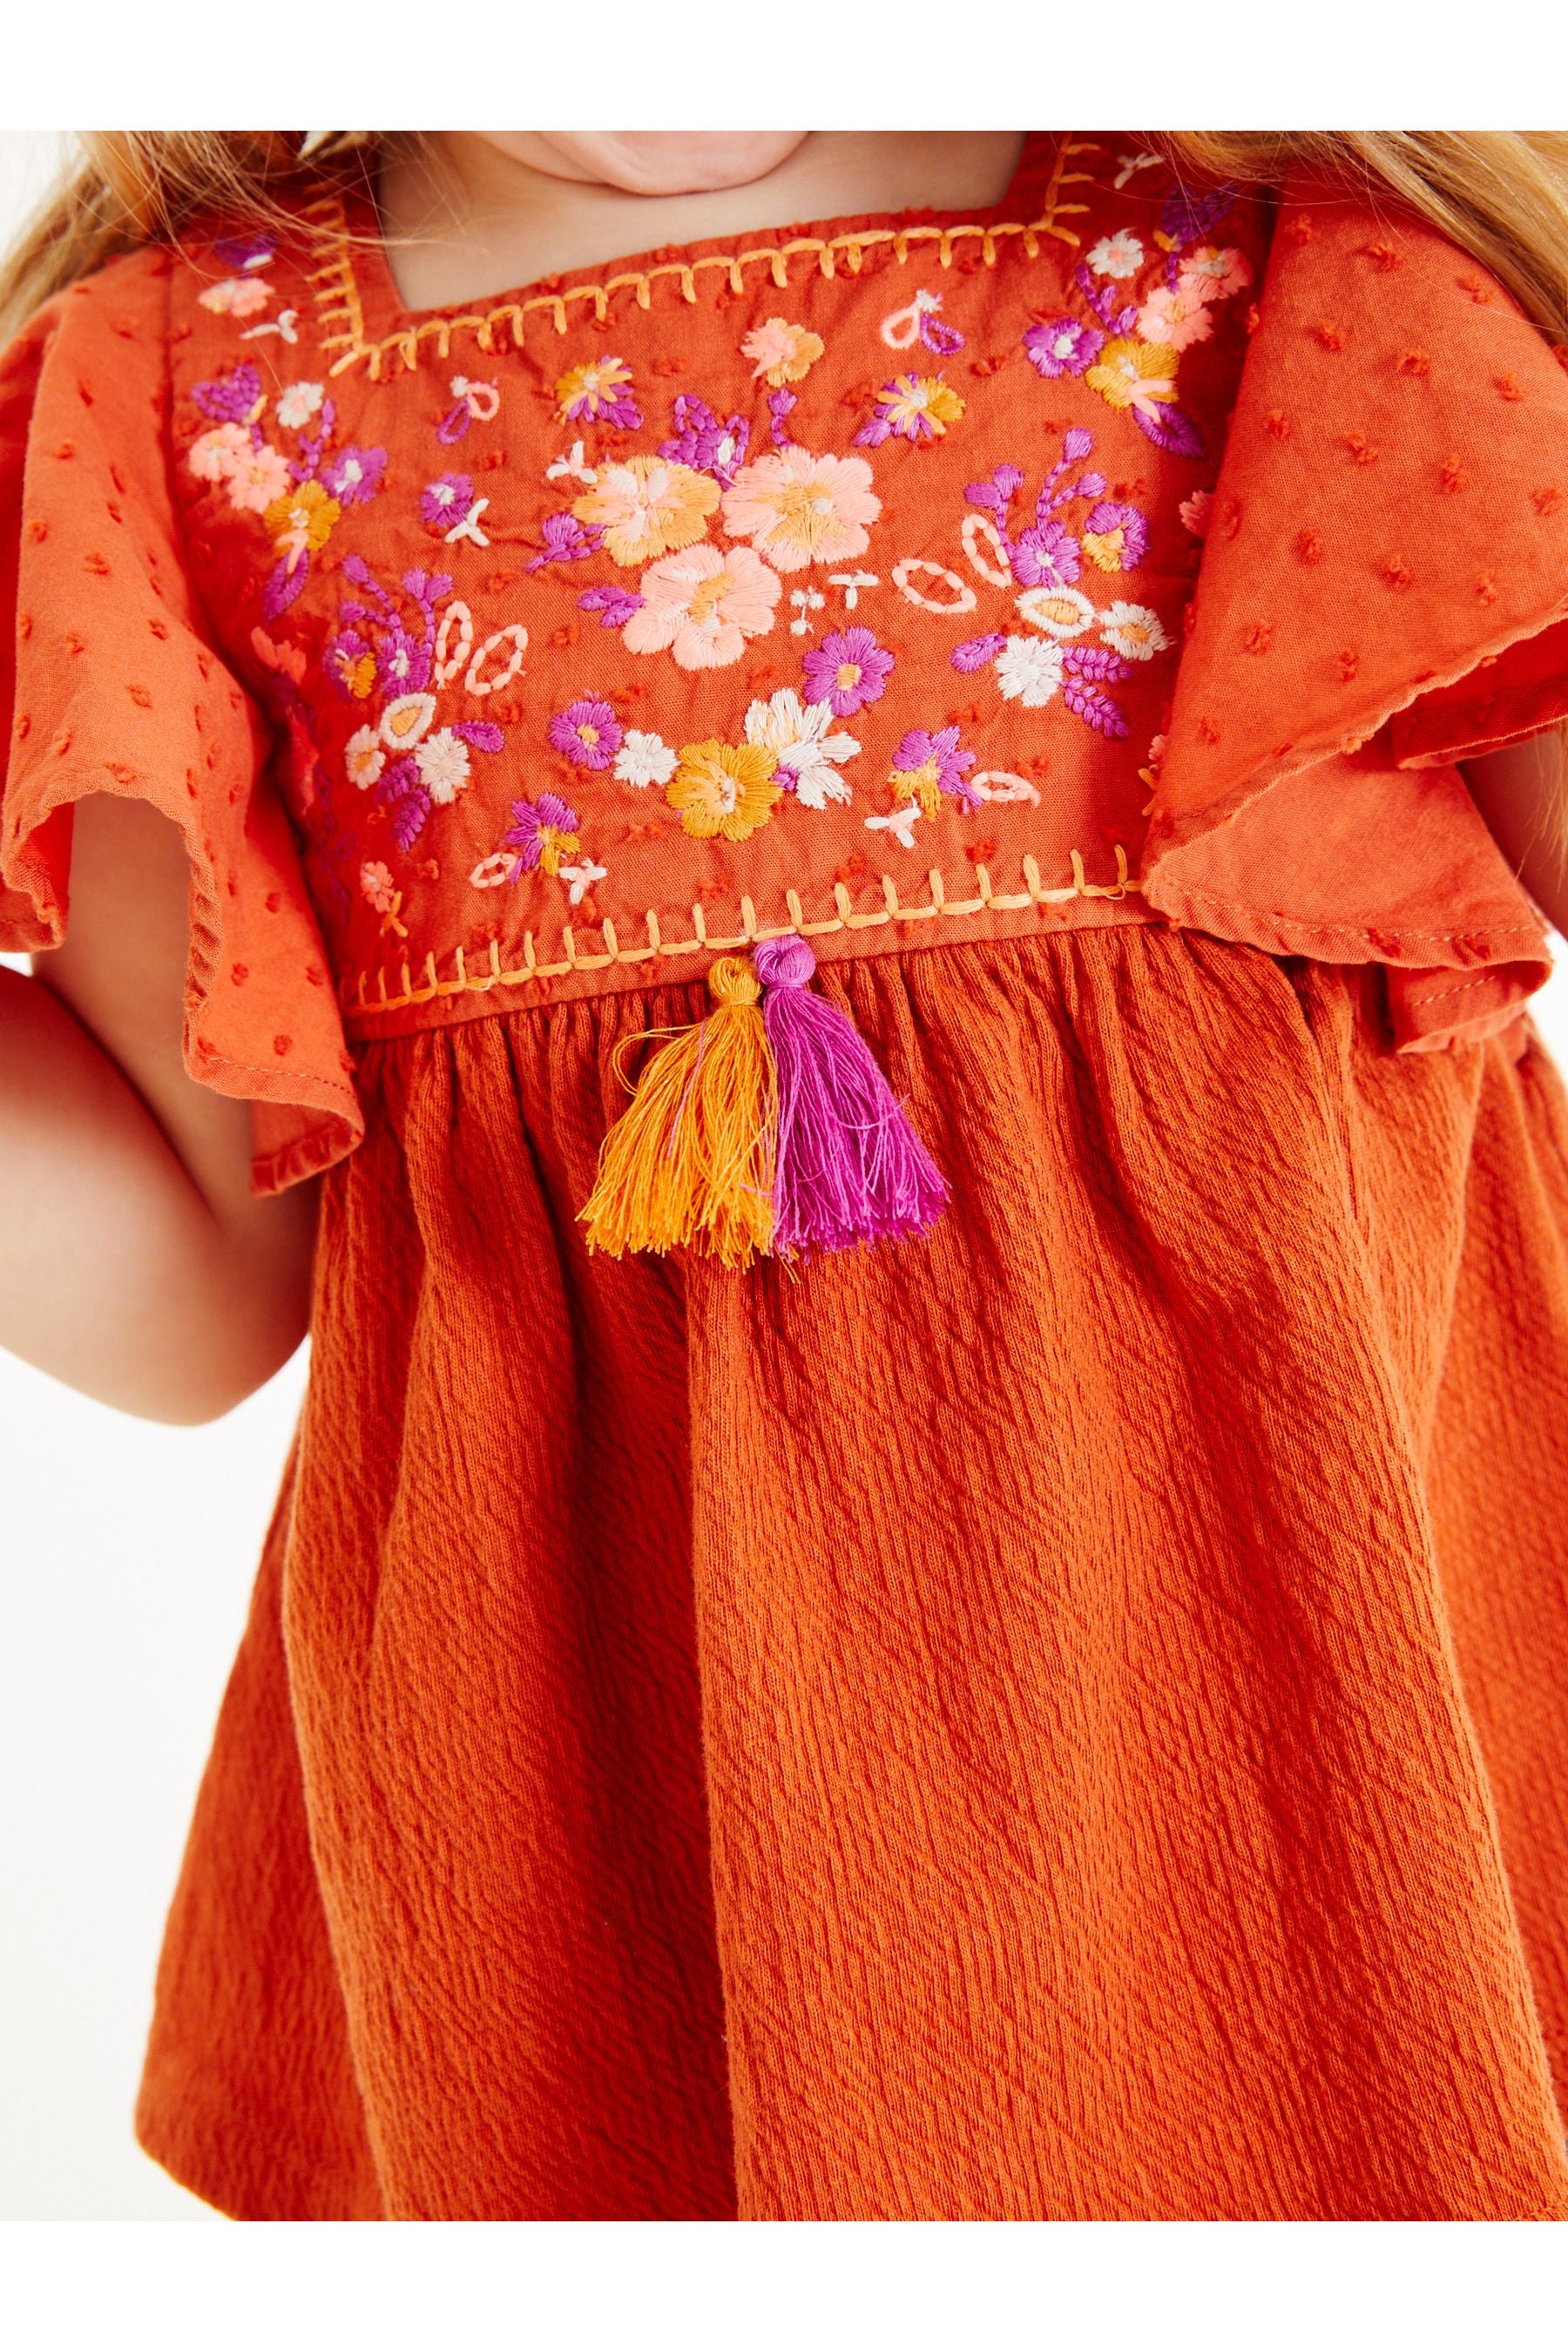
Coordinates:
(955, 1608)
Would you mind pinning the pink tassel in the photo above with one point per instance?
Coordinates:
(850, 1166)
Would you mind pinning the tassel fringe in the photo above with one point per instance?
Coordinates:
(767, 1129)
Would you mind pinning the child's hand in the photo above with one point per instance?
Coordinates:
(135, 1262)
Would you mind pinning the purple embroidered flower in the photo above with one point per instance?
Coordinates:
(1188, 213)
(1063, 346)
(588, 732)
(701, 442)
(541, 831)
(229, 399)
(354, 475)
(1115, 537)
(446, 500)
(565, 541)
(975, 652)
(779, 405)
(915, 407)
(847, 670)
(998, 493)
(251, 252)
(938, 759)
(1044, 556)
(614, 606)
(598, 392)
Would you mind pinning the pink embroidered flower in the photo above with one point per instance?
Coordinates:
(377, 887)
(588, 732)
(1175, 318)
(446, 500)
(925, 766)
(847, 670)
(596, 392)
(1194, 512)
(915, 407)
(260, 479)
(1114, 537)
(543, 831)
(782, 351)
(236, 297)
(1063, 346)
(1214, 273)
(801, 509)
(647, 507)
(1116, 256)
(213, 456)
(297, 403)
(702, 607)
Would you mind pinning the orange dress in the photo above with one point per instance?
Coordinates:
(1060, 1715)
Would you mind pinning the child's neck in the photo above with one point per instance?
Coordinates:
(464, 221)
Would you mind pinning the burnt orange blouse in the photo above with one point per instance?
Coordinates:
(1060, 1717)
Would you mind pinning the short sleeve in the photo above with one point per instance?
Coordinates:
(1383, 591)
(116, 686)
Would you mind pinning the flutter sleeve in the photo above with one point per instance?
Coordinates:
(114, 684)
(1383, 591)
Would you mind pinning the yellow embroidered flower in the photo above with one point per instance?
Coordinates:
(725, 788)
(648, 506)
(923, 784)
(301, 522)
(782, 351)
(1131, 375)
(919, 407)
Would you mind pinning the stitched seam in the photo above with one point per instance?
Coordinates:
(339, 306)
(1333, 930)
(356, 997)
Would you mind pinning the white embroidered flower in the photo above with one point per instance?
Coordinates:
(899, 822)
(1118, 256)
(298, 403)
(580, 879)
(443, 763)
(1136, 633)
(1029, 670)
(406, 719)
(364, 758)
(1060, 612)
(644, 759)
(797, 735)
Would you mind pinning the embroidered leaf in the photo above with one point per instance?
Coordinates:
(1169, 429)
(1093, 705)
(975, 652)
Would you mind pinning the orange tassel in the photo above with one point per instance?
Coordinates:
(691, 1161)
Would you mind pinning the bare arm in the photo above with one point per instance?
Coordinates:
(135, 1262)
(1523, 793)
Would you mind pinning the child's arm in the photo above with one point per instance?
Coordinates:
(1523, 793)
(135, 1262)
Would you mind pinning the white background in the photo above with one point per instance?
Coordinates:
(128, 1552)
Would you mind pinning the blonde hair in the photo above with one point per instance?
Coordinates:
(1501, 194)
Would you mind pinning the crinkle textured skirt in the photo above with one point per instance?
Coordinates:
(1065, 1719)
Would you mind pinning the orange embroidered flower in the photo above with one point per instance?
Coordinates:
(725, 788)
(596, 391)
(798, 508)
(782, 351)
(702, 607)
(648, 506)
(1132, 374)
(302, 521)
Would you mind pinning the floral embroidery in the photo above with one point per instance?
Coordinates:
(782, 353)
(847, 670)
(1063, 346)
(1121, 256)
(587, 732)
(236, 297)
(648, 506)
(474, 403)
(702, 607)
(806, 756)
(915, 407)
(918, 322)
(644, 759)
(597, 392)
(543, 832)
(700, 441)
(925, 766)
(798, 508)
(728, 789)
